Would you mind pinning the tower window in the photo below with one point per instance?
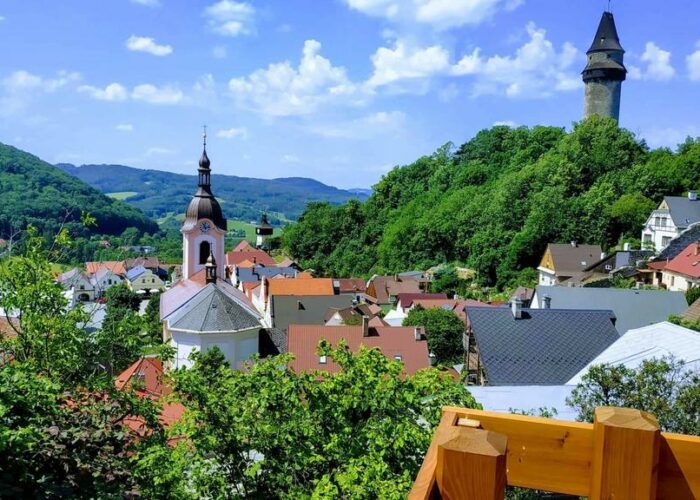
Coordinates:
(204, 251)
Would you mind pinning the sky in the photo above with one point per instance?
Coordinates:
(337, 90)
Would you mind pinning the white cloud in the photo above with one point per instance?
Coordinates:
(439, 14)
(147, 3)
(233, 133)
(125, 127)
(535, 70)
(290, 159)
(366, 127)
(693, 62)
(25, 81)
(658, 65)
(148, 45)
(219, 52)
(404, 62)
(157, 95)
(283, 90)
(112, 92)
(230, 18)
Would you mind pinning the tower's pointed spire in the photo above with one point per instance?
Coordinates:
(204, 162)
(606, 38)
(211, 268)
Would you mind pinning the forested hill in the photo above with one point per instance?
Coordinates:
(158, 193)
(35, 192)
(495, 202)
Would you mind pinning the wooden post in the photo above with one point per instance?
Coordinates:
(471, 463)
(625, 455)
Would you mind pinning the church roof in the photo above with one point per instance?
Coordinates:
(606, 37)
(214, 311)
(204, 206)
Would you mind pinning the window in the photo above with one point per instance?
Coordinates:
(673, 280)
(398, 357)
(647, 238)
(82, 287)
(323, 360)
(153, 280)
(657, 221)
(665, 241)
(204, 251)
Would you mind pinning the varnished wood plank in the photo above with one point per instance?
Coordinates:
(679, 467)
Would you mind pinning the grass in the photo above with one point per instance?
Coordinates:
(248, 228)
(123, 195)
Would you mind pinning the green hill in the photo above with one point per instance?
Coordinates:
(494, 203)
(159, 193)
(36, 192)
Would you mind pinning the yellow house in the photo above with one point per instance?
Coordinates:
(142, 280)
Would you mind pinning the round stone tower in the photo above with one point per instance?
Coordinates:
(605, 71)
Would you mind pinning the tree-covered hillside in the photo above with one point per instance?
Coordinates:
(158, 193)
(35, 192)
(495, 202)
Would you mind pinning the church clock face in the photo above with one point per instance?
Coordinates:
(205, 227)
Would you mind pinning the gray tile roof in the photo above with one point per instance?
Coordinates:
(248, 275)
(571, 259)
(632, 308)
(134, 273)
(305, 309)
(683, 211)
(214, 311)
(679, 243)
(544, 347)
(273, 341)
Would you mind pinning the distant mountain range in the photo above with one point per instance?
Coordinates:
(158, 193)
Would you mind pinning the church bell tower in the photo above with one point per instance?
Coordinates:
(205, 226)
(605, 71)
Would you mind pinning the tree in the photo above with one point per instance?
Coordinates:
(446, 281)
(121, 297)
(154, 327)
(692, 295)
(269, 432)
(661, 387)
(444, 331)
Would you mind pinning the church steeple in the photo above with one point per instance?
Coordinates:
(205, 167)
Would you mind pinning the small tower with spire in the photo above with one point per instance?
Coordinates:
(605, 71)
(211, 269)
(263, 231)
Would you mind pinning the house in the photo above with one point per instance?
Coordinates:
(674, 215)
(353, 286)
(683, 272)
(405, 300)
(405, 344)
(632, 308)
(244, 246)
(290, 287)
(104, 279)
(655, 341)
(353, 315)
(255, 273)
(563, 261)
(234, 259)
(288, 310)
(116, 266)
(627, 263)
(77, 285)
(143, 281)
(383, 290)
(150, 263)
(513, 346)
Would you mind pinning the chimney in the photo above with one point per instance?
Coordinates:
(574, 244)
(546, 302)
(365, 326)
(433, 358)
(627, 247)
(602, 255)
(516, 307)
(693, 195)
(418, 333)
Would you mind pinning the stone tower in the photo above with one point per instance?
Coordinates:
(605, 71)
(263, 231)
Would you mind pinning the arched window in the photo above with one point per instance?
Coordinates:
(204, 251)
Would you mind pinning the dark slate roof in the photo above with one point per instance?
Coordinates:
(272, 341)
(214, 311)
(305, 309)
(252, 275)
(632, 308)
(679, 243)
(544, 347)
(606, 38)
(134, 273)
(682, 210)
(572, 259)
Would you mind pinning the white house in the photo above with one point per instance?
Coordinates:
(104, 279)
(78, 284)
(670, 219)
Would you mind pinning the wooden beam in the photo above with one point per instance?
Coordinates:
(625, 455)
(425, 485)
(471, 463)
(679, 467)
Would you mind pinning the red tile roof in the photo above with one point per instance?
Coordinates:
(382, 288)
(117, 267)
(687, 262)
(406, 299)
(243, 246)
(303, 286)
(392, 341)
(352, 285)
(145, 376)
(256, 256)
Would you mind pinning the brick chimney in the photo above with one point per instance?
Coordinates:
(693, 195)
(516, 307)
(365, 326)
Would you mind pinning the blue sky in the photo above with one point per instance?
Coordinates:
(338, 90)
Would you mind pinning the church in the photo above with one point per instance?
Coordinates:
(204, 309)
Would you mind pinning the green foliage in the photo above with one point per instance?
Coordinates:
(661, 387)
(121, 297)
(692, 295)
(154, 328)
(270, 432)
(444, 331)
(496, 202)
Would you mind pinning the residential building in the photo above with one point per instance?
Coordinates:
(384, 290)
(104, 279)
(405, 344)
(560, 262)
(632, 308)
(116, 266)
(263, 232)
(655, 341)
(353, 315)
(288, 310)
(683, 272)
(255, 273)
(255, 257)
(296, 287)
(78, 286)
(144, 281)
(674, 215)
(353, 286)
(513, 346)
(626, 263)
(405, 300)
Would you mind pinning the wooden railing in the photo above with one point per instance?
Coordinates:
(623, 456)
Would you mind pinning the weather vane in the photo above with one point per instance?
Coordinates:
(204, 135)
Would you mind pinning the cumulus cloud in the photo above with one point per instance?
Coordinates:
(125, 127)
(233, 133)
(112, 92)
(230, 18)
(284, 90)
(439, 14)
(403, 62)
(535, 70)
(658, 65)
(693, 63)
(25, 81)
(157, 95)
(148, 45)
(366, 127)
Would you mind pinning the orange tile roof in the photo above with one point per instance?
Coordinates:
(145, 375)
(246, 264)
(392, 341)
(243, 246)
(257, 256)
(305, 286)
(117, 267)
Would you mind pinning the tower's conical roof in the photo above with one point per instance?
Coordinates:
(606, 37)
